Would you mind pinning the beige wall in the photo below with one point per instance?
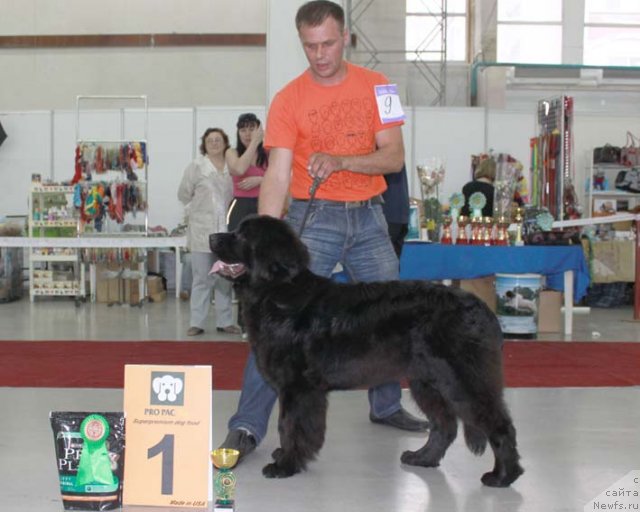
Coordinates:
(39, 17)
(178, 76)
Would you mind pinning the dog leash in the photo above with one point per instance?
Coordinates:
(312, 194)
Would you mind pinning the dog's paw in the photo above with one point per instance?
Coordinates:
(492, 479)
(415, 459)
(273, 470)
(277, 453)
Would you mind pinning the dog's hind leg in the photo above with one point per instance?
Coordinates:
(489, 415)
(443, 430)
(301, 424)
(502, 439)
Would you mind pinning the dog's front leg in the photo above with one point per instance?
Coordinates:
(301, 424)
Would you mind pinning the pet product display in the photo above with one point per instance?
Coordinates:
(90, 458)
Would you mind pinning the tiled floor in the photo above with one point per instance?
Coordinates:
(575, 443)
(58, 319)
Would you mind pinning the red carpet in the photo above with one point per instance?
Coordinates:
(99, 364)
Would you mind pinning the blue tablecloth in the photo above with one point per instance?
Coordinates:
(422, 260)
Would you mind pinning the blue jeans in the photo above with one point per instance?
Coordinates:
(358, 239)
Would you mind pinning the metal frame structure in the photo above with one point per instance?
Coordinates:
(432, 70)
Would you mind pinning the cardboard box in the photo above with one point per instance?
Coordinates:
(483, 288)
(108, 290)
(158, 297)
(154, 284)
(612, 261)
(550, 318)
(132, 291)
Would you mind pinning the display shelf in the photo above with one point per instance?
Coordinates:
(60, 223)
(54, 291)
(53, 257)
(613, 193)
(608, 173)
(51, 189)
(114, 174)
(54, 201)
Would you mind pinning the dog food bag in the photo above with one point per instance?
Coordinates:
(90, 458)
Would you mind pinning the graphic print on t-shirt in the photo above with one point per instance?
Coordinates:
(343, 128)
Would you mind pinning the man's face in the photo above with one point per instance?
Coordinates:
(324, 45)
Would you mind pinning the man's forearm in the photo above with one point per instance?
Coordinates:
(273, 193)
(381, 161)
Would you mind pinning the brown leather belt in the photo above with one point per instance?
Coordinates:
(346, 204)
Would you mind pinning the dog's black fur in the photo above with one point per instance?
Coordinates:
(311, 335)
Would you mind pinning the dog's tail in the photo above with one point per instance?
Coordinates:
(475, 438)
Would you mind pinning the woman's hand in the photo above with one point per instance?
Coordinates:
(257, 135)
(250, 182)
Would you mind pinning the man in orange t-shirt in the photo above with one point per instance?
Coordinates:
(340, 124)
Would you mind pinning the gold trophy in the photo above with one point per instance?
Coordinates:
(518, 218)
(462, 239)
(446, 238)
(487, 231)
(476, 231)
(224, 482)
(502, 236)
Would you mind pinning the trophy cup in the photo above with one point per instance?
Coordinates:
(502, 235)
(462, 239)
(476, 231)
(446, 238)
(487, 231)
(224, 482)
(431, 175)
(518, 218)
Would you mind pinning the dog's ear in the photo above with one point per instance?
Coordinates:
(279, 255)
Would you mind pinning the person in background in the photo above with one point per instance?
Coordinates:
(345, 223)
(206, 186)
(396, 207)
(247, 163)
(483, 178)
(186, 279)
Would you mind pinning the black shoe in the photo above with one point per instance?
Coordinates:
(403, 420)
(240, 440)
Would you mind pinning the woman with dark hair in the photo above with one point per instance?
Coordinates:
(206, 189)
(247, 163)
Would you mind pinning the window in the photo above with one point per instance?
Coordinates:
(425, 30)
(529, 31)
(612, 32)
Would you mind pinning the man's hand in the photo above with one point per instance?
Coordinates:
(322, 165)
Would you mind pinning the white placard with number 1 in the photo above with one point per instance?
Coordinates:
(168, 436)
(389, 106)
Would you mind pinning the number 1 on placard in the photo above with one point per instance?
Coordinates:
(165, 447)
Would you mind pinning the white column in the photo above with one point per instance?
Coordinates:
(285, 58)
(572, 31)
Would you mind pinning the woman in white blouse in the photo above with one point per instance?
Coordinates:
(207, 188)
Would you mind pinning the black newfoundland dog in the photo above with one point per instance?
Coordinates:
(312, 335)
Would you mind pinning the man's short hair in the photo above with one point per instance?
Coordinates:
(315, 12)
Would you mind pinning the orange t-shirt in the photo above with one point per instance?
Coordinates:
(342, 119)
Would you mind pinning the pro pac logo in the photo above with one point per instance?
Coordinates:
(167, 388)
